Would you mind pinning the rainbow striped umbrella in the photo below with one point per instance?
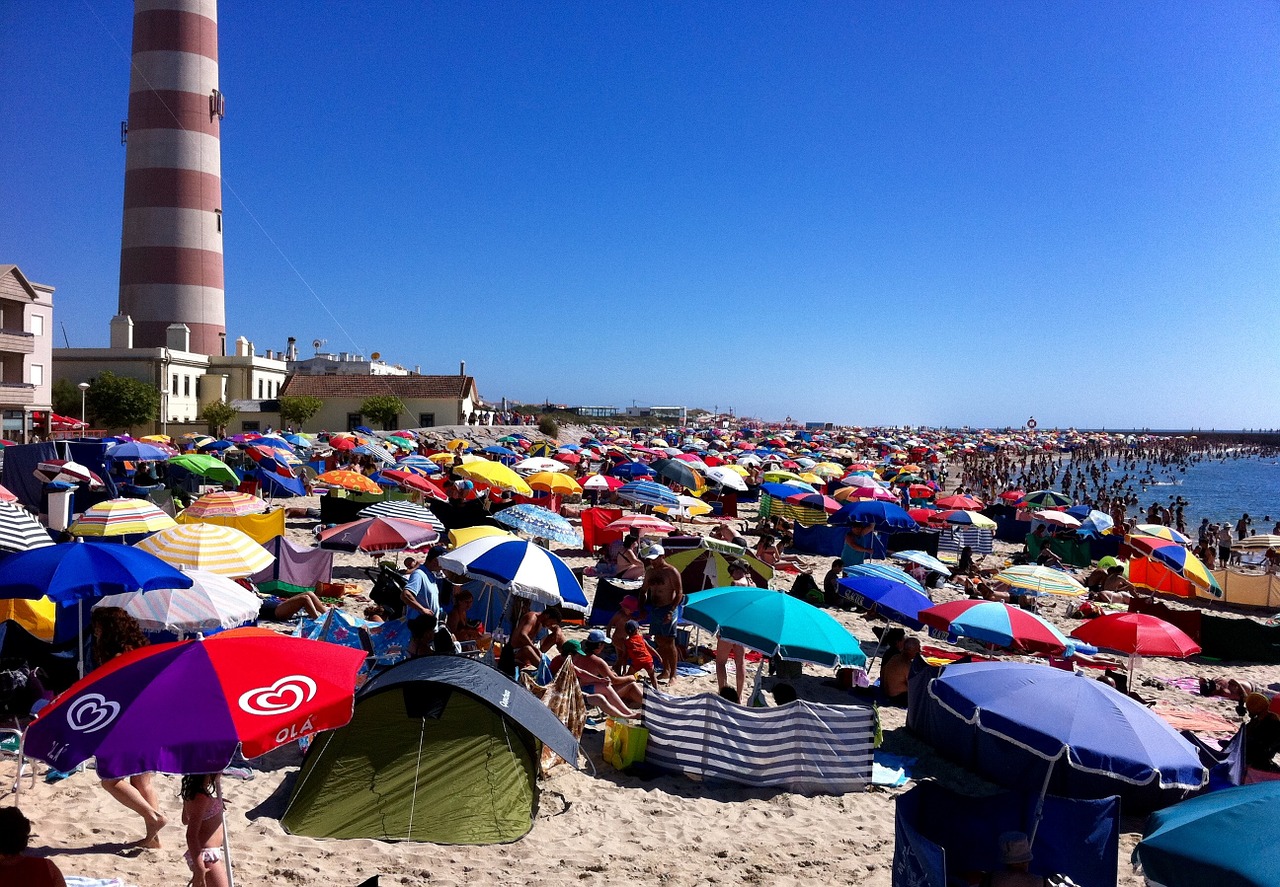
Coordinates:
(226, 503)
(992, 622)
(121, 517)
(209, 547)
(211, 602)
(1179, 560)
(1157, 531)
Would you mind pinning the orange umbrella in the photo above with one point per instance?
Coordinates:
(348, 480)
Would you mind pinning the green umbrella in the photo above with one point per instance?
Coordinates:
(208, 467)
(401, 442)
(775, 624)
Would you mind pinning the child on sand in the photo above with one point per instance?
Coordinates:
(636, 654)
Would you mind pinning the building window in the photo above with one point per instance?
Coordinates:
(260, 386)
(175, 383)
(217, 213)
(186, 386)
(37, 374)
(37, 324)
(248, 426)
(426, 420)
(354, 420)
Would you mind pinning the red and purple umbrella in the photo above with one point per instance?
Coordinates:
(992, 622)
(270, 459)
(186, 707)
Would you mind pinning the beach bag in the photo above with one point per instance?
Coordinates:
(624, 744)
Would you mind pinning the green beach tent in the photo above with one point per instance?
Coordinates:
(441, 749)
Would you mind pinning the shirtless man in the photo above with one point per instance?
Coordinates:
(524, 643)
(661, 594)
(894, 673)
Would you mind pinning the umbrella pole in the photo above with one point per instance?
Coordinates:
(1044, 790)
(80, 635)
(226, 837)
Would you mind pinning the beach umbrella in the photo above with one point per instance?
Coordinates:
(1056, 518)
(896, 598)
(1013, 495)
(679, 472)
(1254, 543)
(460, 537)
(352, 481)
(225, 503)
(65, 471)
(1095, 523)
(495, 475)
(1042, 580)
(967, 503)
(601, 483)
(6, 495)
(1137, 634)
(379, 534)
(555, 484)
(140, 451)
(38, 618)
(217, 446)
(632, 470)
(1227, 837)
(1059, 716)
(120, 517)
(502, 452)
(403, 510)
(775, 624)
(1157, 531)
(205, 466)
(708, 567)
(727, 478)
(960, 518)
(270, 460)
(376, 450)
(643, 492)
(993, 622)
(418, 463)
(210, 547)
(212, 602)
(415, 482)
(1173, 556)
(70, 573)
(19, 531)
(1046, 499)
(519, 567)
(814, 501)
(687, 506)
(539, 522)
(886, 516)
(924, 559)
(188, 707)
(539, 464)
(647, 524)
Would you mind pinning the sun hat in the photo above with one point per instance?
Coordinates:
(596, 636)
(1015, 848)
(651, 551)
(629, 603)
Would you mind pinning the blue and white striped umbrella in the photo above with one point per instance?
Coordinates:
(211, 602)
(377, 451)
(882, 571)
(418, 462)
(646, 492)
(923, 559)
(519, 567)
(539, 522)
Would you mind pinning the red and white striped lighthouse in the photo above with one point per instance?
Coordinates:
(171, 245)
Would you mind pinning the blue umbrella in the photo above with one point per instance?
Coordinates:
(775, 624)
(138, 451)
(885, 515)
(924, 559)
(632, 470)
(1227, 837)
(539, 522)
(217, 445)
(894, 597)
(1056, 715)
(364, 429)
(499, 451)
(520, 567)
(418, 463)
(644, 492)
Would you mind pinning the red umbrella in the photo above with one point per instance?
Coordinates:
(412, 481)
(567, 458)
(920, 491)
(343, 443)
(923, 515)
(379, 534)
(1137, 634)
(602, 482)
(968, 503)
(1013, 495)
(814, 500)
(993, 622)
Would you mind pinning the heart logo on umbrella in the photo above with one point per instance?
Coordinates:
(280, 698)
(92, 712)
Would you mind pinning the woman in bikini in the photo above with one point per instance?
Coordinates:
(202, 815)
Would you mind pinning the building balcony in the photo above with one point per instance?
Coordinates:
(17, 342)
(17, 394)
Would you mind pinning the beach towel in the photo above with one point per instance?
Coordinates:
(1191, 719)
(564, 697)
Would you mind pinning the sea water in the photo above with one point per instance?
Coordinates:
(1221, 490)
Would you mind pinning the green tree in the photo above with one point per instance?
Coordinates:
(218, 414)
(297, 411)
(549, 426)
(384, 409)
(66, 398)
(120, 402)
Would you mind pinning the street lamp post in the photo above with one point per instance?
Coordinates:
(84, 387)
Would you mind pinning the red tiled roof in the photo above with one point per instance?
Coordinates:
(435, 387)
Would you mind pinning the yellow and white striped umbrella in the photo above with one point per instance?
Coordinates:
(1042, 580)
(209, 547)
(120, 517)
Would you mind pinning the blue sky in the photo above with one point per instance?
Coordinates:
(859, 212)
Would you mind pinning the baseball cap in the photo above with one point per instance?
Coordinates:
(630, 604)
(571, 647)
(652, 550)
(596, 636)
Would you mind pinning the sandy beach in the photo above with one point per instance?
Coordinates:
(594, 826)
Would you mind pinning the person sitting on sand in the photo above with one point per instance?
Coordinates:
(617, 695)
(1261, 736)
(636, 655)
(115, 632)
(831, 583)
(1015, 857)
(17, 869)
(768, 551)
(462, 628)
(627, 564)
(895, 672)
(202, 815)
(628, 607)
(535, 634)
